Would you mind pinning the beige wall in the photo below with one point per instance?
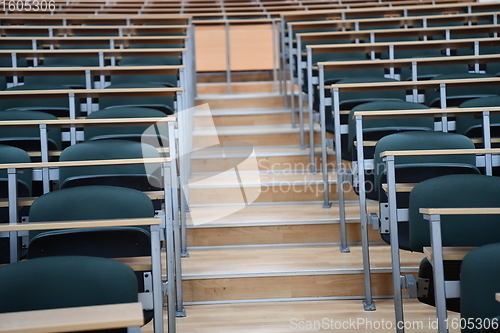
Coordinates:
(251, 47)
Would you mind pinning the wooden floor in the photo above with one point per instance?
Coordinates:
(310, 316)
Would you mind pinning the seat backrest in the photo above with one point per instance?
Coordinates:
(56, 106)
(62, 282)
(134, 175)
(165, 104)
(28, 138)
(456, 96)
(478, 282)
(422, 141)
(455, 191)
(120, 132)
(91, 203)
(377, 128)
(472, 126)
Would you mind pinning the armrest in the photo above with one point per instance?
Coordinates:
(450, 253)
(73, 319)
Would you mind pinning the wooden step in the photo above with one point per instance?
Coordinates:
(210, 188)
(270, 135)
(243, 117)
(221, 77)
(310, 316)
(296, 223)
(286, 272)
(236, 87)
(235, 101)
(269, 158)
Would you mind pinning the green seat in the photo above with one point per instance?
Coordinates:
(454, 191)
(134, 133)
(164, 104)
(456, 96)
(69, 82)
(478, 282)
(10, 154)
(56, 106)
(375, 129)
(28, 139)
(472, 126)
(133, 176)
(65, 282)
(167, 80)
(415, 169)
(87, 61)
(349, 100)
(92, 203)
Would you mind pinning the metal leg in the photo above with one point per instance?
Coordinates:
(324, 156)
(340, 171)
(369, 305)
(310, 100)
(437, 263)
(157, 281)
(395, 260)
(12, 188)
(301, 102)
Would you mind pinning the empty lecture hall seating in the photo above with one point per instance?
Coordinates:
(389, 108)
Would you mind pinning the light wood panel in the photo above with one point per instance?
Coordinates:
(210, 44)
(73, 319)
(255, 139)
(251, 47)
(284, 317)
(269, 101)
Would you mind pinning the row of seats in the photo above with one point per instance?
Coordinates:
(124, 188)
(386, 152)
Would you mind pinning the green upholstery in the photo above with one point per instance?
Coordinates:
(120, 132)
(374, 129)
(168, 80)
(471, 125)
(479, 282)
(87, 61)
(134, 175)
(69, 82)
(422, 141)
(3, 82)
(90, 203)
(64, 282)
(28, 138)
(456, 96)
(10, 154)
(56, 106)
(473, 191)
(416, 169)
(165, 104)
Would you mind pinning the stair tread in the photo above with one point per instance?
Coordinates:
(237, 95)
(288, 260)
(251, 130)
(278, 214)
(241, 112)
(285, 179)
(287, 317)
(259, 151)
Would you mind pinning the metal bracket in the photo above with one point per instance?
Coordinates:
(330, 144)
(409, 283)
(373, 220)
(384, 218)
(423, 288)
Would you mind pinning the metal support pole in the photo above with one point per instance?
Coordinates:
(437, 263)
(368, 303)
(169, 247)
(45, 157)
(157, 281)
(301, 102)
(12, 189)
(310, 101)
(394, 237)
(344, 248)
(324, 153)
(442, 97)
(487, 142)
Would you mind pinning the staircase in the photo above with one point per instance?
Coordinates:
(283, 246)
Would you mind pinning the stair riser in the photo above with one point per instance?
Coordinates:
(236, 88)
(271, 139)
(244, 120)
(236, 103)
(268, 163)
(254, 288)
(283, 234)
(284, 192)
